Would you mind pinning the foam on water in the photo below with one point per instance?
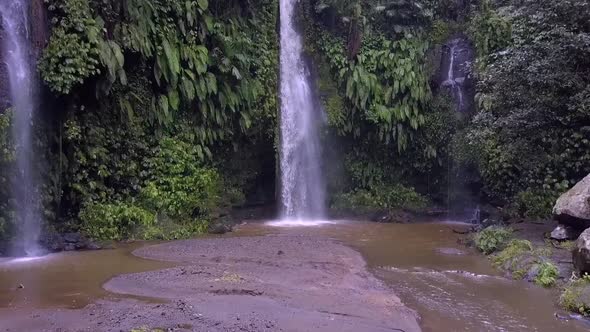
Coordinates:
(299, 223)
(21, 261)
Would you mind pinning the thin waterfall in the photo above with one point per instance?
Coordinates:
(302, 185)
(456, 84)
(20, 64)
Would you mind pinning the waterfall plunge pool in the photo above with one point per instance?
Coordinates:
(453, 288)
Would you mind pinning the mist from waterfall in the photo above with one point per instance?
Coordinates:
(302, 184)
(20, 65)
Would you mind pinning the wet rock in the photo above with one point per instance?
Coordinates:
(581, 254)
(75, 241)
(219, 228)
(72, 237)
(573, 207)
(564, 233)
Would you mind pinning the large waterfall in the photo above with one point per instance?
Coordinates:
(20, 65)
(302, 185)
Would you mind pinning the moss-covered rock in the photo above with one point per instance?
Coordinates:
(576, 296)
(523, 261)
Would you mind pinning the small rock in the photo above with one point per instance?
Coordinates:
(564, 233)
(219, 228)
(20, 286)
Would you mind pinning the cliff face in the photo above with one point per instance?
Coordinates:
(39, 33)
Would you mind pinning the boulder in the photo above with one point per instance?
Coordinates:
(581, 254)
(573, 207)
(219, 228)
(564, 233)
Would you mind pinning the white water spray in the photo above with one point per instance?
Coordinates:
(302, 185)
(19, 62)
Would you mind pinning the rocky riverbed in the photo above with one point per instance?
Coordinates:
(269, 283)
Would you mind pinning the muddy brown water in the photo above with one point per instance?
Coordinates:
(68, 280)
(452, 287)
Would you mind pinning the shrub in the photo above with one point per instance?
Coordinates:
(492, 239)
(114, 221)
(547, 274)
(180, 187)
(533, 204)
(393, 197)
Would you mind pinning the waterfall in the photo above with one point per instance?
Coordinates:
(458, 56)
(302, 187)
(22, 80)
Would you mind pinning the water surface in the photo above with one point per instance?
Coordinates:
(453, 288)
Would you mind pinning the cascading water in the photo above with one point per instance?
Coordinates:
(19, 62)
(455, 76)
(459, 55)
(302, 186)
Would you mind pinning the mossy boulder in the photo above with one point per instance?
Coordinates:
(523, 261)
(576, 296)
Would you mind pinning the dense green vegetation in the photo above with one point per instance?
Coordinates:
(152, 119)
(530, 138)
(162, 114)
(492, 239)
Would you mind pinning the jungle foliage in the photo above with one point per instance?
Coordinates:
(149, 101)
(375, 88)
(530, 137)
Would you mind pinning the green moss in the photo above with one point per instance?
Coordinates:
(575, 296)
(519, 274)
(567, 245)
(513, 250)
(492, 239)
